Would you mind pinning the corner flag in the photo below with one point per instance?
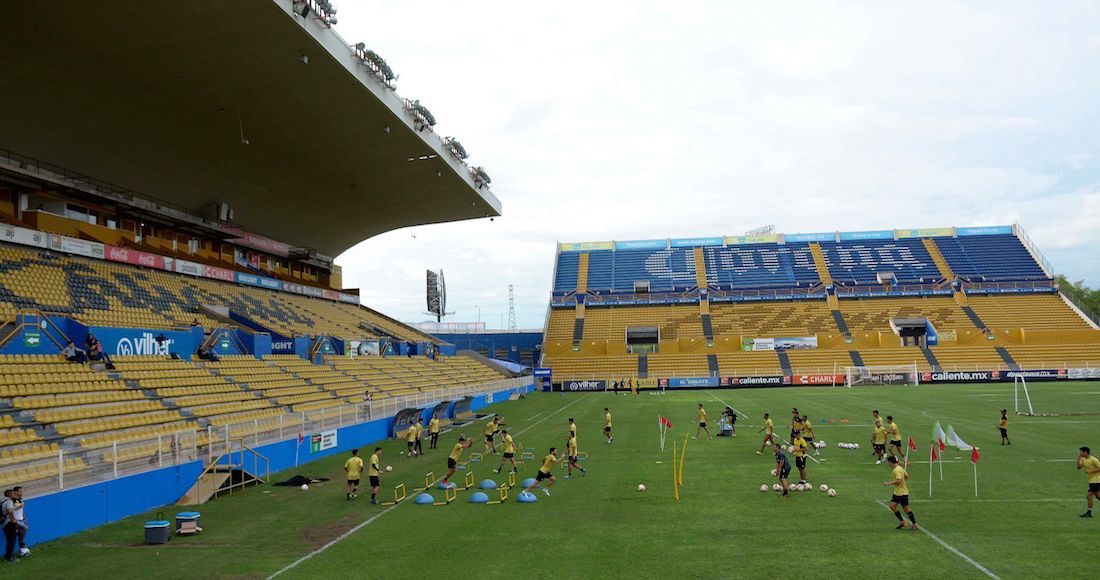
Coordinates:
(974, 457)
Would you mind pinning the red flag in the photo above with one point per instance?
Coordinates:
(934, 455)
(941, 444)
(299, 439)
(912, 444)
(666, 422)
(974, 455)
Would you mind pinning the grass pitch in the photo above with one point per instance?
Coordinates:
(1023, 524)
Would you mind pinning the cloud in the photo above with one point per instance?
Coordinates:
(624, 120)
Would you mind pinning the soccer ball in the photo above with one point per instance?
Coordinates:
(797, 487)
(832, 493)
(855, 445)
(824, 487)
(641, 487)
(822, 442)
(389, 468)
(777, 487)
(305, 487)
(774, 472)
(841, 445)
(790, 449)
(24, 552)
(764, 488)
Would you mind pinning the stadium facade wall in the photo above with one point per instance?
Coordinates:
(72, 511)
(514, 343)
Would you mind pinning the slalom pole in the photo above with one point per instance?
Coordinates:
(675, 476)
(941, 468)
(975, 479)
(931, 450)
(683, 455)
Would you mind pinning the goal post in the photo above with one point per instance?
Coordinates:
(882, 375)
(1020, 384)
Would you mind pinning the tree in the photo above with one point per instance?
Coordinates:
(1086, 297)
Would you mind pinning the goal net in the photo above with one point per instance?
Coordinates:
(1054, 399)
(882, 375)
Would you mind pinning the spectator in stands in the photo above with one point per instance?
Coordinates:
(95, 350)
(195, 322)
(409, 348)
(207, 354)
(74, 354)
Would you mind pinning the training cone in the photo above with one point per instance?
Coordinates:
(479, 497)
(448, 485)
(529, 482)
(487, 484)
(527, 497)
(424, 499)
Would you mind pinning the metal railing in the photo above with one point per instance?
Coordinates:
(70, 468)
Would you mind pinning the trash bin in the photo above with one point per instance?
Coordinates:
(187, 517)
(157, 532)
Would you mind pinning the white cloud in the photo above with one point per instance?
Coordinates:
(624, 120)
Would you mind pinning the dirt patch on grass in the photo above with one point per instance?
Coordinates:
(318, 536)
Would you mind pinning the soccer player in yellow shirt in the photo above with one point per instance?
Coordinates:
(456, 454)
(800, 446)
(894, 437)
(1091, 465)
(808, 433)
(509, 451)
(490, 429)
(571, 453)
(796, 422)
(768, 430)
(901, 493)
(412, 433)
(607, 425)
(433, 431)
(419, 436)
(878, 442)
(354, 468)
(1003, 426)
(374, 471)
(572, 428)
(544, 473)
(702, 422)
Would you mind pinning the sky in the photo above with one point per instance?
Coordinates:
(640, 120)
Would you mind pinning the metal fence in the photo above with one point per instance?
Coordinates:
(109, 459)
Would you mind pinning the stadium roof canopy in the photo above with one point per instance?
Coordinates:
(199, 102)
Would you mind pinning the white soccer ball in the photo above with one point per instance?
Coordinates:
(774, 472)
(389, 468)
(777, 487)
(24, 552)
(797, 487)
(822, 442)
(641, 487)
(841, 445)
(824, 487)
(764, 488)
(790, 449)
(832, 493)
(809, 486)
(305, 487)
(855, 445)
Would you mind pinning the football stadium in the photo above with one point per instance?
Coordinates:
(191, 388)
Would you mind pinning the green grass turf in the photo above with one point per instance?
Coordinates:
(1025, 524)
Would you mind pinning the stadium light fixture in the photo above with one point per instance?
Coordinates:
(422, 117)
(456, 148)
(480, 177)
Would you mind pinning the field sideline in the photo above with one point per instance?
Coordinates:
(1024, 524)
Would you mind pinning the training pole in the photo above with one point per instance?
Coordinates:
(931, 450)
(975, 479)
(941, 465)
(675, 476)
(683, 454)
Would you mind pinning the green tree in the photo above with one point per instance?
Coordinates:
(1087, 297)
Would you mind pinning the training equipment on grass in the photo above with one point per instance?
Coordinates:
(399, 495)
(831, 493)
(641, 487)
(305, 487)
(475, 457)
(526, 497)
(487, 484)
(764, 488)
(824, 488)
(855, 445)
(424, 499)
(774, 472)
(468, 481)
(389, 468)
(529, 482)
(479, 497)
(882, 375)
(448, 485)
(429, 481)
(776, 487)
(503, 490)
(449, 495)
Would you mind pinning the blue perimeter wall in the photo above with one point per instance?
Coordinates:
(71, 511)
(513, 342)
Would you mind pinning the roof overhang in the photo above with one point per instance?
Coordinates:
(193, 102)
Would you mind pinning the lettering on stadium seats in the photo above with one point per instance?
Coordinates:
(146, 344)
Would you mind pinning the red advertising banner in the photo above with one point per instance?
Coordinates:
(219, 273)
(818, 379)
(116, 254)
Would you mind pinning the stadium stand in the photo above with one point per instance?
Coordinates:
(986, 295)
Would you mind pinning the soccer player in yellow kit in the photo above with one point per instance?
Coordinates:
(374, 471)
(878, 442)
(572, 428)
(544, 472)
(901, 493)
(354, 468)
(433, 431)
(768, 430)
(808, 433)
(456, 454)
(490, 429)
(419, 437)
(607, 425)
(1091, 465)
(509, 451)
(571, 453)
(702, 422)
(796, 422)
(800, 447)
(412, 433)
(1003, 426)
(895, 436)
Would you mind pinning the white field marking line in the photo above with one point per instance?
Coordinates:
(1035, 500)
(371, 519)
(533, 418)
(968, 461)
(951, 548)
(735, 410)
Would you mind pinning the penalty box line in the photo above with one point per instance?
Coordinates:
(951, 548)
(371, 519)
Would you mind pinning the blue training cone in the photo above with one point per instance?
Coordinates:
(487, 484)
(529, 482)
(479, 497)
(424, 499)
(527, 497)
(448, 485)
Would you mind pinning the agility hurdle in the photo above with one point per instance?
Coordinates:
(399, 495)
(429, 481)
(449, 495)
(468, 481)
(503, 495)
